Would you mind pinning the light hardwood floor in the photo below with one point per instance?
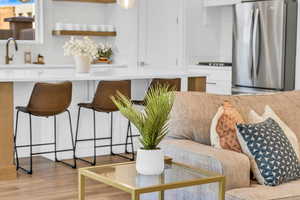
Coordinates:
(55, 181)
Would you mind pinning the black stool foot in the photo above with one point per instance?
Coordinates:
(86, 161)
(30, 172)
(67, 164)
(126, 157)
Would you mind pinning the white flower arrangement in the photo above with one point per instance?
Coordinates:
(81, 47)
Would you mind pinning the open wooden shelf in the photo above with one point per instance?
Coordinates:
(84, 33)
(91, 1)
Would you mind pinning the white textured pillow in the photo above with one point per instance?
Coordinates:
(269, 113)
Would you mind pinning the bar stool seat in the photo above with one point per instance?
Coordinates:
(47, 100)
(22, 109)
(91, 106)
(86, 105)
(102, 103)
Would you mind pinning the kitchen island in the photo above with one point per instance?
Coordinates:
(14, 79)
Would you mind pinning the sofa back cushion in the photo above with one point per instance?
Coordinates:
(193, 112)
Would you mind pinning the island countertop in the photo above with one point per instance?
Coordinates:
(63, 74)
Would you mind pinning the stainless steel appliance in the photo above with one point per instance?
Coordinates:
(264, 44)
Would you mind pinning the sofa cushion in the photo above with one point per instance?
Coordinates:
(223, 131)
(273, 159)
(193, 111)
(255, 118)
(287, 191)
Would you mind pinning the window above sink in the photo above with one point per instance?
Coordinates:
(22, 20)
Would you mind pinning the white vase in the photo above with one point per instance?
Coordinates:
(150, 162)
(82, 64)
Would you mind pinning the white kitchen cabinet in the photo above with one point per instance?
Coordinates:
(219, 79)
(211, 3)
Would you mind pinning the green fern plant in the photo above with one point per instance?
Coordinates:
(152, 122)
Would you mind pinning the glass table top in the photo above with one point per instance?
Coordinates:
(126, 175)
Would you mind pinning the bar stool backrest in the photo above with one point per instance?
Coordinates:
(172, 83)
(106, 89)
(48, 99)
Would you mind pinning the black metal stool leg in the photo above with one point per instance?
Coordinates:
(55, 143)
(111, 133)
(15, 141)
(73, 145)
(127, 136)
(111, 141)
(30, 150)
(94, 139)
(132, 145)
(95, 148)
(77, 129)
(72, 139)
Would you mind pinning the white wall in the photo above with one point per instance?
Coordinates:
(207, 33)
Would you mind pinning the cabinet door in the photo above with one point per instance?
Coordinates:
(160, 33)
(218, 87)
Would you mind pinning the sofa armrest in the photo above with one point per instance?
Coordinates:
(234, 166)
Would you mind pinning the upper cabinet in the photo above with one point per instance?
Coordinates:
(160, 38)
(22, 20)
(211, 3)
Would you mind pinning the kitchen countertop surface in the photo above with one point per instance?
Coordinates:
(55, 66)
(67, 72)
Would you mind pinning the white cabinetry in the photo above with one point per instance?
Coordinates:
(211, 3)
(219, 79)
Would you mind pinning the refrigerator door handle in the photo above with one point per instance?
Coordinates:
(254, 41)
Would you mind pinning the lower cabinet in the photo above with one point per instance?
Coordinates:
(219, 79)
(218, 87)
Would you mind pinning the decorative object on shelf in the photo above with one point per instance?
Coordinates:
(152, 124)
(105, 53)
(27, 57)
(84, 51)
(39, 60)
(126, 3)
(84, 27)
(84, 33)
(91, 1)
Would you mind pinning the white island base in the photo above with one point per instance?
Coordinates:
(15, 90)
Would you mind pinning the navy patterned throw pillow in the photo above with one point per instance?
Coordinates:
(273, 159)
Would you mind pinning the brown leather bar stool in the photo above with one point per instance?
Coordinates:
(47, 100)
(102, 103)
(174, 84)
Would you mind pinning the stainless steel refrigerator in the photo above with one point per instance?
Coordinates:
(264, 44)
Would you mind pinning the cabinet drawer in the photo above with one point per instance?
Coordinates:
(218, 87)
(219, 75)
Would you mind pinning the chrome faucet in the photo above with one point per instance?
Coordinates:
(7, 58)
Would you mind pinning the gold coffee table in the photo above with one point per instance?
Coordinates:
(124, 177)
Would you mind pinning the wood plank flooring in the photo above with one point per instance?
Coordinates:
(55, 181)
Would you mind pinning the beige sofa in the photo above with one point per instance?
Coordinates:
(189, 142)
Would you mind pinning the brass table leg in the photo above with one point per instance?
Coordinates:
(161, 195)
(81, 187)
(135, 196)
(222, 189)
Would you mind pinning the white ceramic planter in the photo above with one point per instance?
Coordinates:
(150, 162)
(83, 64)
